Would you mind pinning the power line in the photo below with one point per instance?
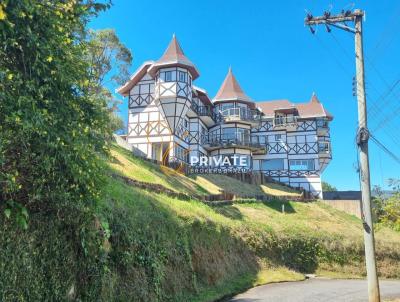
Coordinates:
(385, 149)
(375, 108)
(390, 25)
(362, 135)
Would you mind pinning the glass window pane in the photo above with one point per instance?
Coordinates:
(273, 164)
(229, 133)
(168, 76)
(305, 164)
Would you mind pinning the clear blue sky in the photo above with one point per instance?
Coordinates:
(275, 57)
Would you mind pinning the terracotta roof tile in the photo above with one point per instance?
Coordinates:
(174, 52)
(231, 90)
(174, 56)
(313, 108)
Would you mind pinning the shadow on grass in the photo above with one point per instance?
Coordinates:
(280, 206)
(229, 212)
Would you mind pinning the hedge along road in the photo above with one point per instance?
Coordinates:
(318, 290)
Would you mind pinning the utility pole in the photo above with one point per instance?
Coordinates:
(339, 21)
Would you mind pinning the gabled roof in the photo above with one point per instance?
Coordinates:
(230, 90)
(174, 56)
(313, 108)
(135, 78)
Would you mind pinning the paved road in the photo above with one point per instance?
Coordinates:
(317, 290)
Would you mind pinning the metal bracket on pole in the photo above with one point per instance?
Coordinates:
(362, 136)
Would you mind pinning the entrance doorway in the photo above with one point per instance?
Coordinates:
(158, 150)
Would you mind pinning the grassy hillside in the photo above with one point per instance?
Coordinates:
(142, 170)
(137, 245)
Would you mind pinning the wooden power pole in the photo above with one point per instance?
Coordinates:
(339, 21)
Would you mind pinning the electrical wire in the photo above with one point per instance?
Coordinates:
(385, 149)
(375, 109)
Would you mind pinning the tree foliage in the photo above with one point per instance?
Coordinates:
(326, 187)
(109, 62)
(52, 129)
(109, 58)
(387, 209)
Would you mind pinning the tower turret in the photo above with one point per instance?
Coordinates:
(173, 74)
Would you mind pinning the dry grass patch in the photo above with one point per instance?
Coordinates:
(278, 190)
(277, 274)
(218, 183)
(229, 184)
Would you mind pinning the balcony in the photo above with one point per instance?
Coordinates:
(324, 149)
(285, 123)
(205, 113)
(243, 115)
(213, 142)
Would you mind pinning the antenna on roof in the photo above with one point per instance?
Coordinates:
(173, 35)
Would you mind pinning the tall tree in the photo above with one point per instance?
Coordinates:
(109, 61)
(52, 128)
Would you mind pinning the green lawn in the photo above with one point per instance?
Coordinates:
(239, 246)
(135, 167)
(137, 245)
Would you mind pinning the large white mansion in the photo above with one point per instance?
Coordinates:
(172, 119)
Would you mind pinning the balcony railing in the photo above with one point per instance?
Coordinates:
(204, 111)
(241, 114)
(227, 140)
(284, 121)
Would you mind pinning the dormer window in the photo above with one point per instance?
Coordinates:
(285, 119)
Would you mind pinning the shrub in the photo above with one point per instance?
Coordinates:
(51, 129)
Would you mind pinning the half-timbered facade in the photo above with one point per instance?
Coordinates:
(170, 120)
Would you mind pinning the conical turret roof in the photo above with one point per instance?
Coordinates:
(231, 90)
(174, 56)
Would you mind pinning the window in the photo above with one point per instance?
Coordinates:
(229, 133)
(263, 139)
(323, 147)
(182, 76)
(273, 164)
(301, 164)
(185, 123)
(204, 137)
(168, 76)
(226, 106)
(243, 134)
(278, 137)
(181, 153)
(322, 123)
